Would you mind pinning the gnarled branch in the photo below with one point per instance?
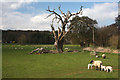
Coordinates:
(49, 15)
(53, 12)
(53, 30)
(77, 12)
(65, 21)
(61, 10)
(59, 31)
(66, 33)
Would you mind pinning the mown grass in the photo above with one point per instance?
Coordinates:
(17, 63)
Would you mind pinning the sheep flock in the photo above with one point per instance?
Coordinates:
(99, 65)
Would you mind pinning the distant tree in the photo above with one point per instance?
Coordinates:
(113, 41)
(104, 34)
(38, 38)
(22, 39)
(82, 31)
(102, 39)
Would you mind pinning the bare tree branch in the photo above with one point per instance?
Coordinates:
(79, 12)
(53, 12)
(68, 15)
(49, 15)
(61, 10)
(59, 31)
(66, 33)
(53, 30)
(58, 21)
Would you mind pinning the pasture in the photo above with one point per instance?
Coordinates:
(17, 63)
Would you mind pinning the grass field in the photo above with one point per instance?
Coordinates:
(17, 63)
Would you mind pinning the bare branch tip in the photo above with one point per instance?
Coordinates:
(48, 7)
(59, 6)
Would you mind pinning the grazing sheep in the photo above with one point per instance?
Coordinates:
(103, 56)
(103, 68)
(109, 69)
(97, 56)
(90, 65)
(66, 48)
(97, 64)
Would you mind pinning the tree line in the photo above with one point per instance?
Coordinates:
(81, 34)
(27, 37)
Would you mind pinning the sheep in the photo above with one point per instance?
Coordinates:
(103, 68)
(66, 48)
(97, 56)
(41, 49)
(97, 64)
(103, 56)
(109, 68)
(90, 65)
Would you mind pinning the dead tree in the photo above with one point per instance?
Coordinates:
(64, 19)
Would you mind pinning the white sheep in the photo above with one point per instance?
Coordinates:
(66, 48)
(90, 65)
(96, 63)
(41, 49)
(96, 56)
(103, 68)
(103, 56)
(109, 68)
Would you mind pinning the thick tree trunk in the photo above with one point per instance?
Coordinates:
(59, 46)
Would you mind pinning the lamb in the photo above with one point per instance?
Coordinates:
(106, 68)
(109, 68)
(97, 64)
(90, 65)
(103, 68)
(103, 56)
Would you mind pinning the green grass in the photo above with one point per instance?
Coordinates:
(17, 63)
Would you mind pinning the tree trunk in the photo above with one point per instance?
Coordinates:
(59, 46)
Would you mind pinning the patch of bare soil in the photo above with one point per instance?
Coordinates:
(102, 49)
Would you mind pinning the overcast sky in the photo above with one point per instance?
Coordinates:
(31, 15)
